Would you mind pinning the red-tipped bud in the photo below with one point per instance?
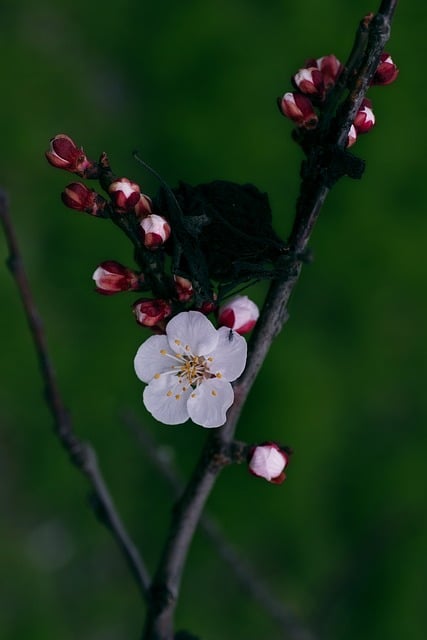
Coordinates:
(152, 313)
(65, 154)
(386, 72)
(330, 68)
(208, 306)
(239, 314)
(352, 136)
(365, 119)
(268, 461)
(310, 81)
(299, 109)
(156, 231)
(183, 288)
(143, 206)
(112, 277)
(79, 197)
(124, 194)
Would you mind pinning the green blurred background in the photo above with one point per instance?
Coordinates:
(193, 85)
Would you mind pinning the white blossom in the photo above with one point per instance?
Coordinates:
(188, 371)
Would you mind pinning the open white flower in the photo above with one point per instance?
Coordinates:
(189, 370)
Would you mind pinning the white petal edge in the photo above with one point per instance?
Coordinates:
(208, 404)
(191, 329)
(165, 399)
(149, 360)
(229, 356)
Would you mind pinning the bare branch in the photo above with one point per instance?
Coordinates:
(81, 453)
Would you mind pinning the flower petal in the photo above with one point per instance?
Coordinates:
(208, 403)
(152, 357)
(166, 399)
(191, 332)
(229, 356)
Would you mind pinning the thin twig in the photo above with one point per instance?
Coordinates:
(315, 187)
(81, 453)
(246, 574)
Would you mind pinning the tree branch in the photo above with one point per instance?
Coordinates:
(316, 183)
(244, 573)
(81, 453)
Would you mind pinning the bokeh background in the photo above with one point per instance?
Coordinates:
(193, 85)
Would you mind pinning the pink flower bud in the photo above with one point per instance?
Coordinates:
(365, 119)
(143, 206)
(330, 68)
(151, 313)
(310, 81)
(112, 277)
(239, 314)
(124, 194)
(299, 109)
(156, 230)
(352, 136)
(64, 154)
(79, 197)
(183, 288)
(386, 72)
(268, 461)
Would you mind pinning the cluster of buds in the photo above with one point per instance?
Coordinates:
(268, 460)
(135, 213)
(125, 196)
(312, 84)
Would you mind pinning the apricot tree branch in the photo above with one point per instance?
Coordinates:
(326, 162)
(243, 571)
(81, 453)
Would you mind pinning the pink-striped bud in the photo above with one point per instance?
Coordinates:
(155, 230)
(386, 72)
(310, 81)
(352, 136)
(79, 197)
(124, 194)
(143, 206)
(299, 109)
(183, 288)
(112, 277)
(239, 314)
(152, 313)
(330, 68)
(268, 461)
(65, 154)
(365, 119)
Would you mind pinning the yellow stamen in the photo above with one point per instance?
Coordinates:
(169, 394)
(157, 376)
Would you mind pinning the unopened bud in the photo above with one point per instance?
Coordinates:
(330, 68)
(268, 461)
(299, 109)
(239, 314)
(112, 277)
(143, 206)
(310, 81)
(124, 194)
(65, 154)
(352, 136)
(151, 313)
(386, 72)
(156, 231)
(365, 119)
(183, 288)
(79, 197)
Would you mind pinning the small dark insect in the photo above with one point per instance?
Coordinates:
(231, 335)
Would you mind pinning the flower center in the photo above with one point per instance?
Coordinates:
(193, 369)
